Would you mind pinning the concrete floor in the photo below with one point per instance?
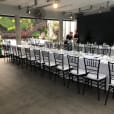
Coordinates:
(26, 92)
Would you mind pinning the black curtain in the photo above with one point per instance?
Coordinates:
(97, 28)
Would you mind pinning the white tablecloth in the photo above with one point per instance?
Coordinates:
(103, 65)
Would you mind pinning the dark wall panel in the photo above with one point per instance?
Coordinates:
(97, 28)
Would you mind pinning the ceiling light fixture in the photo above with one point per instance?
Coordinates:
(55, 5)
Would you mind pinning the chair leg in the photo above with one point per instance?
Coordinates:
(113, 94)
(107, 95)
(26, 64)
(31, 66)
(68, 82)
(4, 57)
(88, 84)
(84, 86)
(105, 86)
(78, 85)
(56, 73)
(7, 57)
(10, 58)
(98, 91)
(91, 83)
(64, 78)
(22, 62)
(50, 73)
(35, 67)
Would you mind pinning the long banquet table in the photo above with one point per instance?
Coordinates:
(104, 59)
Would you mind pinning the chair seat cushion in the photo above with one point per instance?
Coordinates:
(15, 54)
(38, 61)
(59, 67)
(112, 82)
(94, 77)
(80, 72)
(7, 52)
(50, 65)
(22, 57)
(31, 59)
(11, 53)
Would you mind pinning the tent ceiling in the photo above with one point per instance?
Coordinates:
(64, 5)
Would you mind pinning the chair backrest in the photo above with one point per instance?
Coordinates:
(49, 44)
(87, 48)
(76, 47)
(59, 59)
(19, 51)
(111, 71)
(73, 62)
(69, 46)
(10, 50)
(92, 66)
(61, 45)
(65, 46)
(14, 50)
(46, 57)
(37, 55)
(94, 49)
(28, 54)
(6, 49)
(56, 45)
(105, 50)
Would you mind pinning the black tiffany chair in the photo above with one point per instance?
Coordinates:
(94, 49)
(87, 48)
(105, 50)
(38, 59)
(14, 56)
(6, 52)
(48, 64)
(92, 67)
(111, 80)
(75, 73)
(30, 60)
(78, 47)
(21, 56)
(61, 68)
